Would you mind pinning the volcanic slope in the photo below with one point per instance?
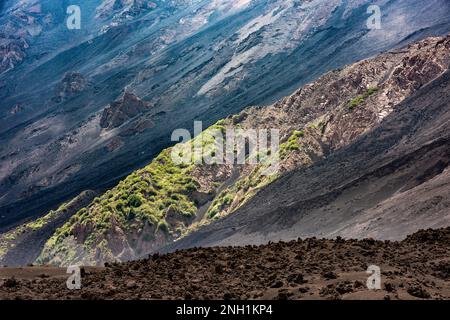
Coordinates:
(387, 184)
(325, 127)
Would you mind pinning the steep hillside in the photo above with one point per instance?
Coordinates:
(186, 59)
(388, 183)
(23, 244)
(164, 201)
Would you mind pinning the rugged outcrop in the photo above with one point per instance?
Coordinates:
(123, 9)
(318, 123)
(16, 109)
(125, 108)
(72, 84)
(12, 52)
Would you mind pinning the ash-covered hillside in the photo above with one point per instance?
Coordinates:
(81, 109)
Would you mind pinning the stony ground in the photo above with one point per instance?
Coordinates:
(416, 268)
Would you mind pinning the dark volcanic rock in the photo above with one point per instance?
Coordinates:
(16, 109)
(72, 84)
(218, 273)
(122, 110)
(12, 52)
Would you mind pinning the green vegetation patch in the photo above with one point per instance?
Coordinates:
(142, 198)
(292, 144)
(362, 98)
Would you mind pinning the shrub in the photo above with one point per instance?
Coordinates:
(360, 99)
(134, 201)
